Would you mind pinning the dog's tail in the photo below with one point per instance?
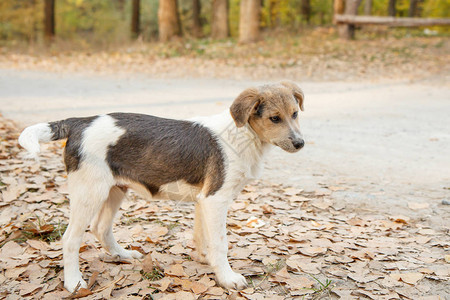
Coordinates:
(44, 132)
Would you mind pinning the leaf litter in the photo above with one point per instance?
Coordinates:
(301, 246)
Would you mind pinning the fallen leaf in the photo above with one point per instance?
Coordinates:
(175, 270)
(400, 219)
(254, 222)
(11, 249)
(215, 291)
(356, 222)
(410, 278)
(147, 263)
(283, 273)
(28, 288)
(40, 245)
(206, 281)
(337, 188)
(391, 225)
(198, 288)
(164, 283)
(181, 295)
(360, 278)
(82, 292)
(299, 283)
(312, 251)
(178, 249)
(447, 258)
(425, 271)
(267, 209)
(92, 280)
(427, 231)
(324, 204)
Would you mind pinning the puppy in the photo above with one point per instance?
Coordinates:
(217, 155)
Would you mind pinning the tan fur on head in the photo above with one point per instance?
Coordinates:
(271, 111)
(296, 91)
(243, 106)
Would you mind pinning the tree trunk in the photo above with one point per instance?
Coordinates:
(121, 8)
(412, 12)
(368, 7)
(306, 10)
(249, 21)
(338, 8)
(219, 26)
(168, 19)
(272, 14)
(391, 8)
(196, 21)
(135, 20)
(347, 31)
(49, 20)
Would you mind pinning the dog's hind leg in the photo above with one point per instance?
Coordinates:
(102, 226)
(200, 238)
(87, 194)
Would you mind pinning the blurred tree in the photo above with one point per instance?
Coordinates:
(196, 20)
(391, 8)
(338, 7)
(219, 20)
(306, 10)
(101, 23)
(49, 20)
(168, 20)
(121, 7)
(135, 20)
(367, 7)
(347, 31)
(249, 21)
(414, 8)
(436, 8)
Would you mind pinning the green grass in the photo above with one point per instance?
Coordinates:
(323, 288)
(273, 268)
(41, 230)
(169, 224)
(155, 274)
(270, 269)
(132, 220)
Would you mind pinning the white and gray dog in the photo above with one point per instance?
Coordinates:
(217, 155)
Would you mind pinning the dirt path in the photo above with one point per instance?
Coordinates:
(376, 146)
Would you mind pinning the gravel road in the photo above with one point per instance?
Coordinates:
(377, 145)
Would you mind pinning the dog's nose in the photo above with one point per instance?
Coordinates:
(298, 144)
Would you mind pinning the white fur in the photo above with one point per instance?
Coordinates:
(32, 135)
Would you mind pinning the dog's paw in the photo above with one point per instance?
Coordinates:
(128, 254)
(71, 283)
(232, 280)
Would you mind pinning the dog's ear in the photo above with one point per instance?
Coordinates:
(296, 91)
(244, 105)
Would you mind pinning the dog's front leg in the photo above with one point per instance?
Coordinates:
(214, 215)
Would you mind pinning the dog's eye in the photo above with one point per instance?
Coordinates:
(275, 119)
(294, 115)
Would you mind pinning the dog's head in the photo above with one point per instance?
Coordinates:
(272, 112)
